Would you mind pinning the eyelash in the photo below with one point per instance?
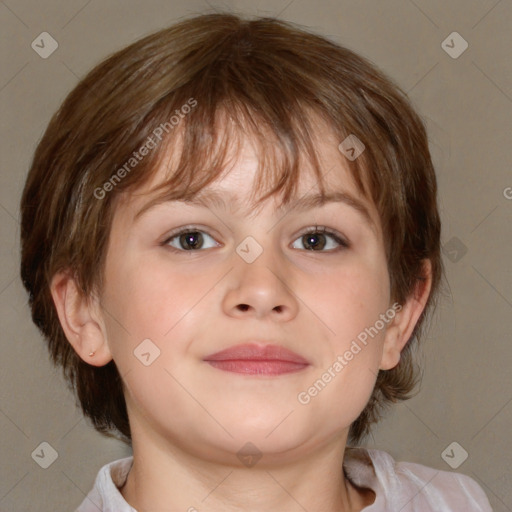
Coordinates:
(343, 244)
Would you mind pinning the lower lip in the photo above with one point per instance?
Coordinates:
(251, 367)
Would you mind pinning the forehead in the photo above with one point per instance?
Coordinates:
(237, 189)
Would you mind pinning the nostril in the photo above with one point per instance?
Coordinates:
(243, 307)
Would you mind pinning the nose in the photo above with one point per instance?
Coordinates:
(261, 289)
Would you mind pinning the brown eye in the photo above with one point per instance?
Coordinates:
(188, 240)
(314, 241)
(191, 240)
(319, 238)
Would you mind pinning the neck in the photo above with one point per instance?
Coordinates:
(165, 477)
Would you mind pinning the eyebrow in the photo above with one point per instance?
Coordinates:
(215, 199)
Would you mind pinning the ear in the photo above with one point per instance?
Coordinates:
(80, 318)
(400, 329)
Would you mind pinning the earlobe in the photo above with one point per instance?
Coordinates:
(400, 330)
(79, 320)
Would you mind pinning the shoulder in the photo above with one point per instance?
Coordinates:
(412, 487)
(105, 495)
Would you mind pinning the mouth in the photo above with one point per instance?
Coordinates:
(253, 359)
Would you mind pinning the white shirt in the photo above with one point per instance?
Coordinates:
(398, 486)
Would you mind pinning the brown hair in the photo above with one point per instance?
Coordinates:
(267, 76)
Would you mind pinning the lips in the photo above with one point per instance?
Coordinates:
(254, 359)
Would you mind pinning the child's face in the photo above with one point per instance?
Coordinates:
(314, 302)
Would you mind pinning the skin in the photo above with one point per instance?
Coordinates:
(188, 419)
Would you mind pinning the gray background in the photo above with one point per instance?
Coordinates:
(466, 395)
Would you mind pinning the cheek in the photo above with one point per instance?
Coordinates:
(351, 304)
(352, 298)
(146, 298)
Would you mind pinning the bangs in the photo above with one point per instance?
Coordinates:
(199, 154)
(208, 141)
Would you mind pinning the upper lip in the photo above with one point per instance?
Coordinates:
(256, 352)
